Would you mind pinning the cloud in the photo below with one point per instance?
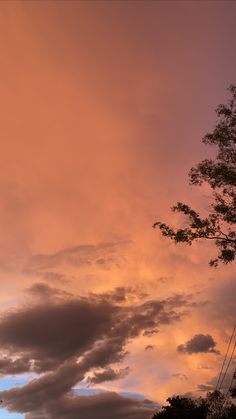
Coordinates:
(124, 294)
(102, 254)
(204, 367)
(51, 333)
(150, 332)
(223, 380)
(222, 302)
(68, 339)
(199, 343)
(205, 387)
(40, 290)
(39, 391)
(149, 347)
(180, 376)
(108, 374)
(57, 330)
(14, 366)
(99, 406)
(55, 276)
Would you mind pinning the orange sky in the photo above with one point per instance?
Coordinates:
(103, 107)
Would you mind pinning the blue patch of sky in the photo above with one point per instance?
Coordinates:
(11, 381)
(4, 414)
(87, 391)
(84, 390)
(15, 381)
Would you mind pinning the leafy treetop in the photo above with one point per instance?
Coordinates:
(214, 406)
(220, 174)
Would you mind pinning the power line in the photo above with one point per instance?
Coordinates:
(231, 382)
(225, 357)
(229, 362)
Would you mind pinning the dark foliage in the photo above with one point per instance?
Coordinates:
(233, 386)
(220, 175)
(182, 407)
(214, 406)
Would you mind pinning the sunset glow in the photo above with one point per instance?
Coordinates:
(103, 108)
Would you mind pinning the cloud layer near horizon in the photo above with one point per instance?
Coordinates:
(66, 339)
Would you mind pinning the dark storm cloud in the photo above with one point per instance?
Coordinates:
(99, 406)
(67, 339)
(102, 254)
(109, 374)
(52, 333)
(199, 343)
(14, 366)
(38, 392)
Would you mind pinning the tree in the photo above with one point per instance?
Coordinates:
(182, 407)
(215, 406)
(220, 174)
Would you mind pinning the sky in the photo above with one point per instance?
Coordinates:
(103, 107)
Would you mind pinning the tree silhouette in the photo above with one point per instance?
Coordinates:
(182, 407)
(220, 175)
(215, 406)
(219, 226)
